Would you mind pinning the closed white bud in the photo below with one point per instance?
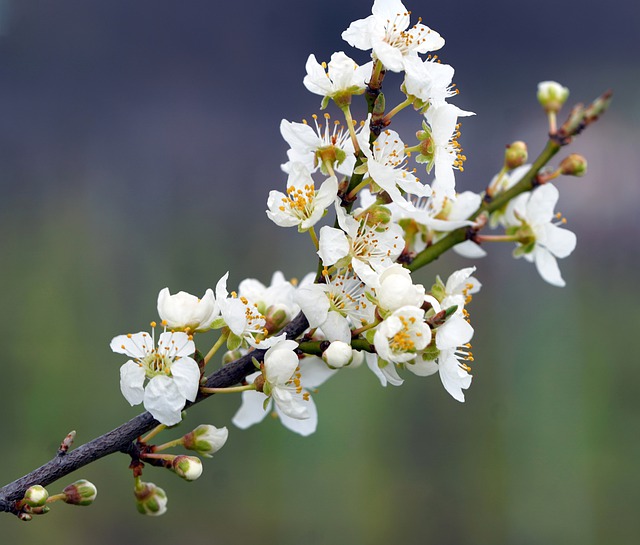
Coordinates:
(187, 312)
(187, 467)
(552, 95)
(397, 289)
(206, 439)
(36, 496)
(338, 354)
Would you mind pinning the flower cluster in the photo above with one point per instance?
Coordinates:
(392, 207)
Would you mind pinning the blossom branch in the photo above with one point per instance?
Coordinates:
(122, 439)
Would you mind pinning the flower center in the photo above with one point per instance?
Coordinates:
(155, 364)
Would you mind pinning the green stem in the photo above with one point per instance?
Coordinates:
(314, 237)
(230, 390)
(352, 130)
(527, 183)
(216, 346)
(169, 444)
(398, 108)
(155, 431)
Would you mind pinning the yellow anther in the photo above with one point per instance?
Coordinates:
(153, 324)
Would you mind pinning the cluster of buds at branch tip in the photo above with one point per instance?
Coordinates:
(581, 117)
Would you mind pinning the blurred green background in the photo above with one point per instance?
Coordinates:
(138, 143)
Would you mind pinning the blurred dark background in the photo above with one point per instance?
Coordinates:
(138, 143)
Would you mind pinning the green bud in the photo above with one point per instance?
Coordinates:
(81, 492)
(598, 107)
(376, 215)
(276, 318)
(150, 499)
(36, 496)
(231, 355)
(573, 165)
(552, 95)
(515, 155)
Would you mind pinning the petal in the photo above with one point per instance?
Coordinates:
(336, 327)
(453, 377)
(186, 375)
(541, 204)
(314, 304)
(548, 267)
(163, 400)
(290, 403)
(131, 382)
(469, 249)
(421, 367)
(314, 372)
(136, 345)
(455, 332)
(252, 411)
(560, 242)
(305, 426)
(334, 245)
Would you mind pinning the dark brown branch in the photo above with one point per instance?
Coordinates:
(122, 438)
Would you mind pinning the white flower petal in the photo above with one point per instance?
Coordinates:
(252, 411)
(186, 375)
(304, 426)
(132, 378)
(163, 400)
(548, 267)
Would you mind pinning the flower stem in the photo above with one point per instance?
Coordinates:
(352, 194)
(497, 238)
(230, 390)
(155, 431)
(154, 456)
(314, 237)
(352, 130)
(169, 444)
(398, 108)
(216, 346)
(528, 181)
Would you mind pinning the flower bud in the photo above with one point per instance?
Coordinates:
(186, 311)
(573, 165)
(187, 467)
(81, 492)
(338, 354)
(150, 499)
(206, 439)
(276, 318)
(515, 155)
(397, 289)
(377, 216)
(552, 95)
(36, 496)
(231, 355)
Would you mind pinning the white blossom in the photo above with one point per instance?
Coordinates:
(313, 147)
(303, 206)
(531, 217)
(447, 154)
(313, 373)
(174, 377)
(385, 33)
(402, 335)
(339, 80)
(369, 249)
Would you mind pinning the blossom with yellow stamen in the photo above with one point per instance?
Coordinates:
(173, 375)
